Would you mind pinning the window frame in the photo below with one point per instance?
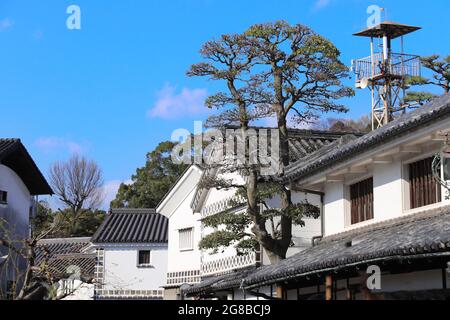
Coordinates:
(350, 206)
(408, 202)
(186, 248)
(3, 197)
(144, 265)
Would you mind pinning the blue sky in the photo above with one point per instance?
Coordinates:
(109, 90)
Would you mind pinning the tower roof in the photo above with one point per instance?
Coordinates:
(389, 28)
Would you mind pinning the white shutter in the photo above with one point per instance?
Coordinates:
(186, 238)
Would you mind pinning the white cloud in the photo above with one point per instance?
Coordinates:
(49, 144)
(5, 23)
(321, 4)
(171, 104)
(110, 189)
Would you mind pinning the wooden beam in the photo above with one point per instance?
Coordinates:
(337, 178)
(318, 181)
(328, 287)
(382, 160)
(360, 169)
(280, 292)
(411, 149)
(438, 137)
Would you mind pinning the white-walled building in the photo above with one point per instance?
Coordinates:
(184, 233)
(20, 184)
(382, 208)
(187, 204)
(131, 255)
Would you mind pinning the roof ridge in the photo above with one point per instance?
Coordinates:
(133, 211)
(65, 240)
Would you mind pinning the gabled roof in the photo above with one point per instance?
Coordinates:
(129, 225)
(351, 146)
(426, 233)
(14, 155)
(174, 188)
(61, 254)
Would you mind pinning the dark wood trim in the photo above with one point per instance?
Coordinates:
(444, 278)
(361, 201)
(424, 190)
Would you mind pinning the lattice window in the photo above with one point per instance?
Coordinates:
(424, 190)
(186, 239)
(180, 277)
(361, 201)
(228, 264)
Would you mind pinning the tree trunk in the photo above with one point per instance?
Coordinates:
(270, 245)
(285, 197)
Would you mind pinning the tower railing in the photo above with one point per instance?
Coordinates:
(400, 65)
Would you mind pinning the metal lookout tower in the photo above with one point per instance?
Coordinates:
(384, 71)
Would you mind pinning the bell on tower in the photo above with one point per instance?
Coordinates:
(385, 72)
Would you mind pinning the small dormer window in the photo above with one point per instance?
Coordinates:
(3, 197)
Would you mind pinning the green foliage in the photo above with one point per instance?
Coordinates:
(152, 181)
(420, 98)
(235, 222)
(440, 69)
(219, 240)
(43, 219)
(304, 70)
(272, 69)
(84, 225)
(231, 225)
(88, 222)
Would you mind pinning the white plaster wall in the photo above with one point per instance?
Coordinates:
(334, 208)
(16, 212)
(215, 195)
(122, 272)
(209, 255)
(180, 192)
(420, 280)
(177, 207)
(387, 190)
(183, 218)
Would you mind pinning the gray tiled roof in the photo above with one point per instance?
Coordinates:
(14, 155)
(351, 146)
(221, 282)
(302, 142)
(128, 225)
(427, 232)
(61, 255)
